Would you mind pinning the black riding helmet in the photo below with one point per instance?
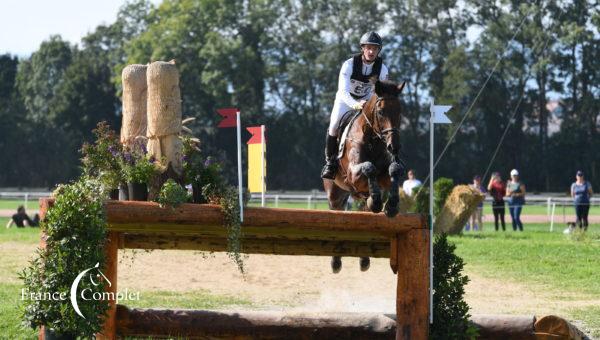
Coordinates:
(371, 38)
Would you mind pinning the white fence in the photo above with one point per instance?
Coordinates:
(24, 196)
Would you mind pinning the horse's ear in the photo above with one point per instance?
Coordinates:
(401, 87)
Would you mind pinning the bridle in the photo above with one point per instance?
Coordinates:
(375, 112)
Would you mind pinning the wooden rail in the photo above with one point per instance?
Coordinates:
(404, 239)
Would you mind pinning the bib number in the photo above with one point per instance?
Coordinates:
(359, 89)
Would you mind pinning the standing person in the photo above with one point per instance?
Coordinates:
(497, 190)
(411, 183)
(581, 191)
(477, 217)
(354, 90)
(515, 190)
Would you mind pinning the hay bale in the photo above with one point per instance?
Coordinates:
(164, 115)
(459, 206)
(134, 103)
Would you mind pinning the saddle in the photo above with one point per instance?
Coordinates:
(343, 129)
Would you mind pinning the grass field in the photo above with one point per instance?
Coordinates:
(14, 204)
(564, 265)
(552, 262)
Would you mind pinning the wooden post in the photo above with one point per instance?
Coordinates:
(412, 300)
(110, 270)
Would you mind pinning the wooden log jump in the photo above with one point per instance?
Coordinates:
(403, 239)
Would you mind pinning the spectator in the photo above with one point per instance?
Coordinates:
(497, 190)
(581, 191)
(410, 183)
(515, 190)
(477, 217)
(21, 219)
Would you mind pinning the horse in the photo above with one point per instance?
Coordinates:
(370, 158)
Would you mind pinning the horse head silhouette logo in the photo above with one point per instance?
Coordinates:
(93, 281)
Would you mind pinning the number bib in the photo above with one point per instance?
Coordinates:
(358, 89)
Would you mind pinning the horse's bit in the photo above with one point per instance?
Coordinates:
(382, 133)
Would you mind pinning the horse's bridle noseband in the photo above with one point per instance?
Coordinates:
(381, 134)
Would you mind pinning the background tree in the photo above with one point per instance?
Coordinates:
(278, 61)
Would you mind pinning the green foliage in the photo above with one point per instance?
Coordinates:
(442, 188)
(199, 171)
(227, 198)
(137, 165)
(101, 159)
(172, 194)
(421, 196)
(450, 311)
(40, 76)
(207, 180)
(76, 231)
(279, 63)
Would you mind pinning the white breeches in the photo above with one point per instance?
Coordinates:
(338, 111)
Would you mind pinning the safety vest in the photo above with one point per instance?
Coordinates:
(360, 86)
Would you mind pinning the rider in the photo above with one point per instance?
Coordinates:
(354, 90)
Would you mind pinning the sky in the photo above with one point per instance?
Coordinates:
(24, 24)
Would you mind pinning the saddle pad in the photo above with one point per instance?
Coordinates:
(342, 142)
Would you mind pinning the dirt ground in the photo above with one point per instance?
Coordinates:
(305, 283)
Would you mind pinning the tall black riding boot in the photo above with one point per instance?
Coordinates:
(331, 149)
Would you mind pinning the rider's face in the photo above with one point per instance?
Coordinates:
(370, 52)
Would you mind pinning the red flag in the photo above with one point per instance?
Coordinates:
(229, 117)
(256, 135)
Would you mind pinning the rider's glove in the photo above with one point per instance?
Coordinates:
(359, 105)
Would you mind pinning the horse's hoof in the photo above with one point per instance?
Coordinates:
(336, 264)
(374, 203)
(391, 209)
(390, 212)
(365, 263)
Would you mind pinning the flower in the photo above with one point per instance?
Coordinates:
(113, 150)
(208, 161)
(128, 157)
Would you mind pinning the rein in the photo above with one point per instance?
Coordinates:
(381, 133)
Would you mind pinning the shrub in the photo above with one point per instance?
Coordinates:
(206, 176)
(137, 166)
(101, 159)
(450, 311)
(442, 188)
(172, 194)
(76, 231)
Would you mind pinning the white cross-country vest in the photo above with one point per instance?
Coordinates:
(360, 85)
